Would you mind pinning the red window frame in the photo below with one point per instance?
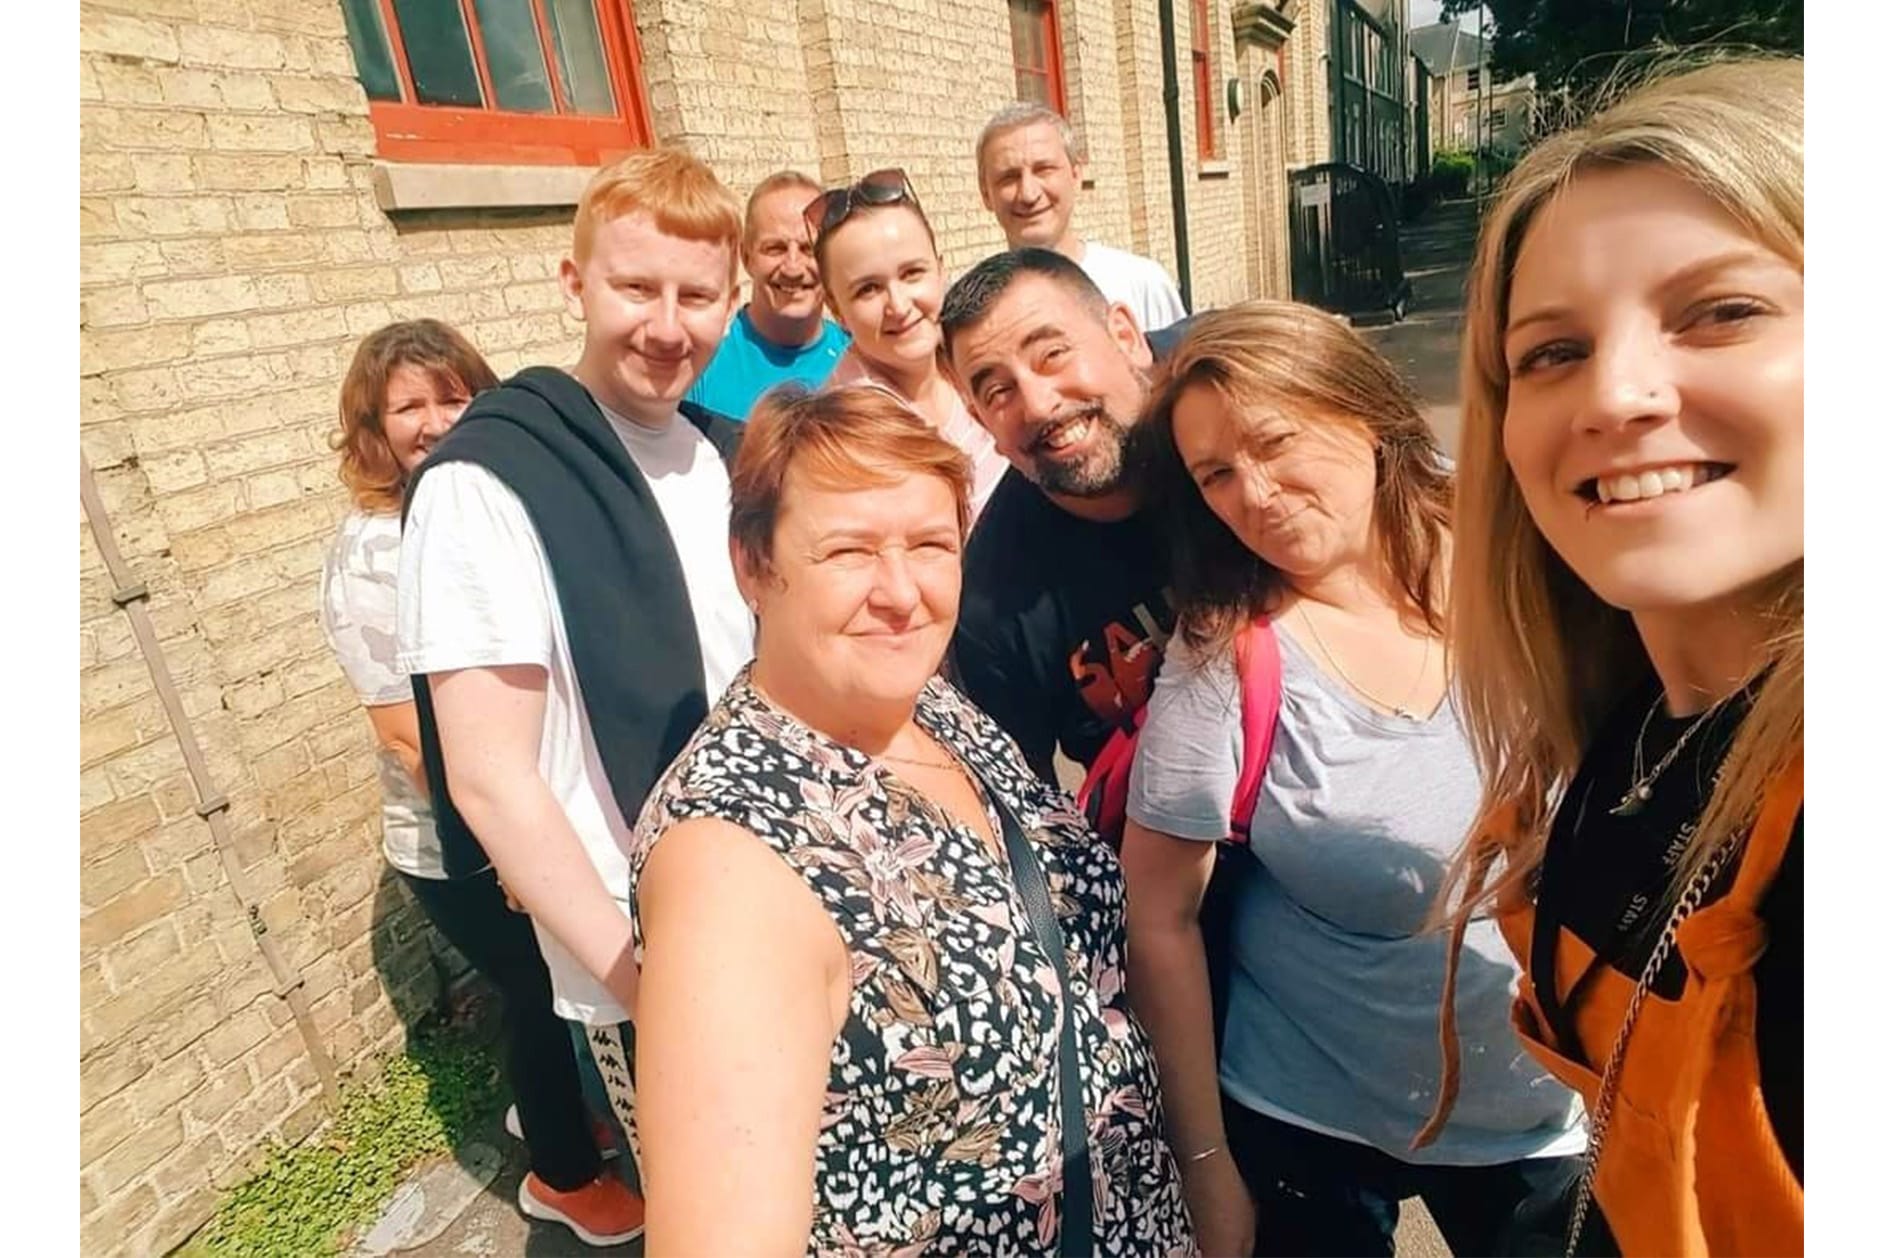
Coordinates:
(1208, 148)
(1053, 73)
(409, 131)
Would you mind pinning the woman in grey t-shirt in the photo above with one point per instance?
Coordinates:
(1302, 485)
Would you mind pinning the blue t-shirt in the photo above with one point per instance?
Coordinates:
(746, 365)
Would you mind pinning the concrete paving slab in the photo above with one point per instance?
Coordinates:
(431, 1202)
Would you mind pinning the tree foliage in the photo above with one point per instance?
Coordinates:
(1575, 45)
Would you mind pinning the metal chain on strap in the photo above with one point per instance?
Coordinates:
(1612, 1069)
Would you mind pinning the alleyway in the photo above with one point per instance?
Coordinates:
(1437, 252)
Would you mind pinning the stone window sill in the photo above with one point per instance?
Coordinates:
(453, 186)
(1213, 170)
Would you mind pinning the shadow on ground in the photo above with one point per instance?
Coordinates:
(492, 1225)
(449, 1014)
(465, 1204)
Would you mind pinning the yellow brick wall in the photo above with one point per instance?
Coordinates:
(1263, 142)
(232, 252)
(1306, 84)
(1214, 198)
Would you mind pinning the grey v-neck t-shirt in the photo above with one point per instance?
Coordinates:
(1333, 1005)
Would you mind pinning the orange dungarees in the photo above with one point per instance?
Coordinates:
(1690, 1164)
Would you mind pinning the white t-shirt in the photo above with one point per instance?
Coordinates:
(359, 614)
(476, 591)
(1138, 282)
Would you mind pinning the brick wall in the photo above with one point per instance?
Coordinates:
(1263, 143)
(1305, 86)
(1214, 199)
(232, 252)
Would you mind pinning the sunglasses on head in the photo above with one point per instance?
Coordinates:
(880, 187)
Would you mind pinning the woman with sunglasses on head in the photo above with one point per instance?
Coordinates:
(884, 280)
(1629, 591)
(408, 384)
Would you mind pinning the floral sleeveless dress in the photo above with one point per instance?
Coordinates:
(940, 1131)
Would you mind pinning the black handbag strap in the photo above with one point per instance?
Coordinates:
(1076, 1220)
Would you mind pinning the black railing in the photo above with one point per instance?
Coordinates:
(1344, 243)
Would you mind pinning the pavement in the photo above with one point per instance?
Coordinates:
(483, 1222)
(468, 1206)
(1436, 253)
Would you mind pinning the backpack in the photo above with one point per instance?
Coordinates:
(1102, 799)
(1259, 668)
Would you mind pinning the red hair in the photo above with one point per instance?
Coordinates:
(677, 190)
(853, 437)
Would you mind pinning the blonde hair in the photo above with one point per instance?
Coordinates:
(1541, 658)
(1266, 354)
(677, 190)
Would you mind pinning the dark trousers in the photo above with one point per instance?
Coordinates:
(1318, 1194)
(539, 1056)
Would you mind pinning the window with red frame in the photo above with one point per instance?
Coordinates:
(1038, 75)
(523, 81)
(1208, 148)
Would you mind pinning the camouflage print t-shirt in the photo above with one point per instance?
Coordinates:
(359, 610)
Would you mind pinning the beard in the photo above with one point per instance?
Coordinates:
(1092, 473)
(1104, 468)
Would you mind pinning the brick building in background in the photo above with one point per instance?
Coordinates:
(264, 181)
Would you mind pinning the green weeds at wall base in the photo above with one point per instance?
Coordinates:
(310, 1199)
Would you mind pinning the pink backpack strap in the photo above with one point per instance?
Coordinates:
(1259, 668)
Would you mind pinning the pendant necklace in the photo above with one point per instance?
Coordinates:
(1642, 786)
(1398, 709)
(921, 764)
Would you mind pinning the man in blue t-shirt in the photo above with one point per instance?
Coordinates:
(781, 333)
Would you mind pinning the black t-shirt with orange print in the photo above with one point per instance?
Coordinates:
(1063, 622)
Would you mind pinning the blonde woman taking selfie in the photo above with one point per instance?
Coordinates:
(1628, 596)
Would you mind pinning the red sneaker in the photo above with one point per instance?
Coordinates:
(602, 1212)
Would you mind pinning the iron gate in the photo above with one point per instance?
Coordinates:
(1344, 243)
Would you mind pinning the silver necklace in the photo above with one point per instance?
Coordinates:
(1398, 709)
(1642, 786)
(1690, 900)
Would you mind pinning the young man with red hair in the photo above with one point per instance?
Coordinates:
(567, 605)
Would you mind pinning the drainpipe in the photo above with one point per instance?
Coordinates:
(1174, 143)
(211, 804)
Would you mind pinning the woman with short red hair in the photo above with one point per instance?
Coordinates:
(881, 1003)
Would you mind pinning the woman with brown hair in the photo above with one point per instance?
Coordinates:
(881, 1003)
(884, 280)
(1629, 591)
(1307, 502)
(406, 387)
